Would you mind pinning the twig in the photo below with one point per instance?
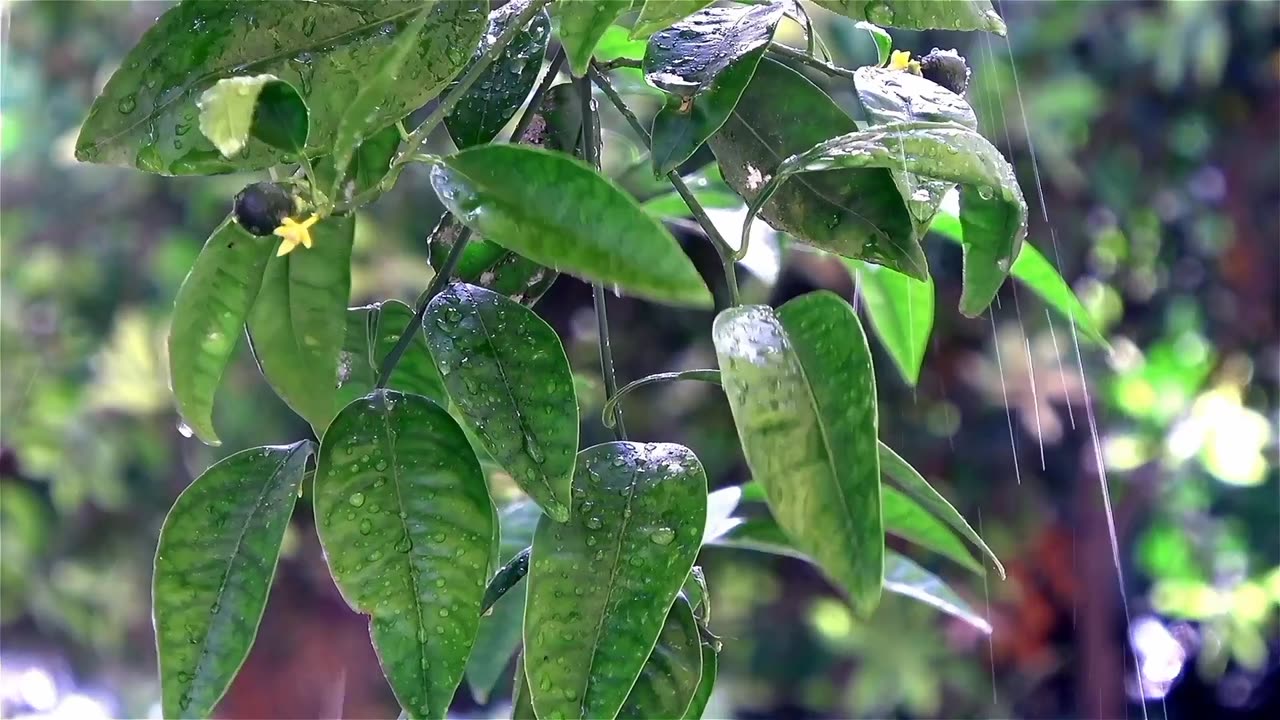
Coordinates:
(813, 62)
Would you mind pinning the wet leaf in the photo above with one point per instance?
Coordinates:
(146, 112)
(853, 213)
(613, 570)
(503, 87)
(508, 375)
(710, 665)
(298, 322)
(1034, 270)
(884, 43)
(369, 165)
(372, 332)
(406, 523)
(272, 110)
(802, 391)
(921, 14)
(581, 25)
(906, 477)
(910, 521)
(489, 265)
(502, 628)
(216, 559)
(521, 699)
(669, 680)
(891, 96)
(992, 209)
(901, 313)
(655, 16)
(556, 211)
(210, 309)
(703, 63)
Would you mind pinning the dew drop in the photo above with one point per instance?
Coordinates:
(663, 536)
(356, 499)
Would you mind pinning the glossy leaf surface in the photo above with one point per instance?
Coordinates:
(502, 88)
(921, 14)
(802, 391)
(601, 584)
(1035, 271)
(556, 211)
(372, 331)
(508, 375)
(298, 322)
(655, 16)
(405, 519)
(910, 521)
(581, 25)
(214, 566)
(704, 63)
(231, 108)
(147, 111)
(209, 311)
(901, 312)
(669, 680)
(853, 213)
(369, 165)
(489, 265)
(993, 212)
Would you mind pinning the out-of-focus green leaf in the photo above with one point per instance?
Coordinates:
(901, 312)
(216, 559)
(852, 213)
(710, 665)
(802, 391)
(884, 43)
(508, 375)
(581, 25)
(556, 211)
(614, 569)
(922, 14)
(703, 63)
(992, 209)
(210, 309)
(912, 522)
(405, 519)
(502, 88)
(298, 322)
(669, 680)
(146, 112)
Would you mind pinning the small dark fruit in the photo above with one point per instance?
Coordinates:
(946, 68)
(261, 207)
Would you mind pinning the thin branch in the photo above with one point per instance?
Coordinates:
(607, 412)
(813, 62)
(622, 62)
(535, 101)
(722, 246)
(464, 83)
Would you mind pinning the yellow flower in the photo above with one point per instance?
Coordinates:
(295, 233)
(901, 60)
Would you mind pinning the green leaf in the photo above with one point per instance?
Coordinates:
(703, 63)
(670, 677)
(893, 96)
(372, 331)
(369, 165)
(502, 628)
(581, 25)
(298, 322)
(406, 523)
(327, 51)
(710, 665)
(210, 309)
(884, 43)
(903, 576)
(600, 586)
(264, 105)
(901, 313)
(992, 209)
(852, 213)
(921, 14)
(660, 14)
(1037, 273)
(616, 43)
(558, 212)
(216, 559)
(910, 521)
(802, 391)
(503, 87)
(906, 477)
(521, 699)
(508, 375)
(490, 265)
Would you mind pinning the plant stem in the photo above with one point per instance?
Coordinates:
(535, 101)
(813, 62)
(622, 62)
(722, 247)
(411, 330)
(506, 578)
(464, 83)
(606, 413)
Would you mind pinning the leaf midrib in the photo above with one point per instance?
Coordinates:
(187, 87)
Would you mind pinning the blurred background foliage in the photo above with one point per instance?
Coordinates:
(1154, 186)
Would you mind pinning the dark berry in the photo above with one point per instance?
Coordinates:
(946, 68)
(261, 207)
